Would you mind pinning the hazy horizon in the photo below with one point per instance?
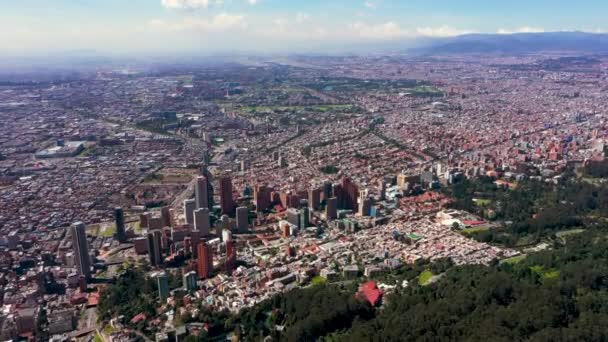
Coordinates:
(182, 27)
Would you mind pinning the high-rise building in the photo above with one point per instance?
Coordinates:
(166, 217)
(201, 221)
(230, 255)
(293, 216)
(205, 260)
(119, 218)
(155, 247)
(304, 218)
(242, 219)
(189, 206)
(81, 249)
(162, 281)
(314, 198)
(262, 197)
(382, 189)
(331, 209)
(328, 189)
(195, 239)
(201, 194)
(226, 202)
(350, 193)
(224, 223)
(365, 204)
(205, 173)
(189, 280)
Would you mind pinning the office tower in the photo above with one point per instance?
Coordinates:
(293, 216)
(382, 189)
(402, 180)
(81, 249)
(162, 281)
(331, 210)
(119, 218)
(224, 223)
(350, 194)
(201, 194)
(144, 219)
(205, 260)
(189, 206)
(304, 218)
(314, 198)
(166, 216)
(365, 206)
(226, 202)
(195, 239)
(189, 280)
(155, 222)
(262, 197)
(201, 221)
(285, 231)
(154, 247)
(242, 219)
(328, 189)
(230, 255)
(226, 235)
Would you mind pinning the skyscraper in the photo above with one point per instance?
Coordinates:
(201, 221)
(154, 247)
(304, 218)
(201, 193)
(293, 216)
(166, 217)
(205, 260)
(328, 189)
(314, 198)
(81, 249)
(242, 219)
(195, 239)
(189, 206)
(350, 193)
(162, 281)
(331, 210)
(382, 189)
(189, 280)
(230, 255)
(262, 197)
(226, 202)
(119, 219)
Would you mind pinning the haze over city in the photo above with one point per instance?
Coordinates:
(173, 27)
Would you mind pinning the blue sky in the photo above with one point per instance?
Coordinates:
(175, 26)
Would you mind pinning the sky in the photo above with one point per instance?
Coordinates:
(214, 26)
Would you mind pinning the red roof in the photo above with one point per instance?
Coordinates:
(138, 317)
(370, 292)
(472, 223)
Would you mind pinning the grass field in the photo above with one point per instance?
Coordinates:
(566, 233)
(545, 274)
(515, 259)
(424, 277)
(318, 280)
(475, 230)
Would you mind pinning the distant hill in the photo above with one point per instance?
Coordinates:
(519, 43)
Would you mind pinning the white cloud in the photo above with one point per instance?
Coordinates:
(301, 17)
(388, 30)
(392, 30)
(369, 4)
(442, 31)
(220, 22)
(525, 29)
(252, 2)
(187, 4)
